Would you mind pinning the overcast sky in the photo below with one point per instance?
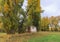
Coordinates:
(51, 7)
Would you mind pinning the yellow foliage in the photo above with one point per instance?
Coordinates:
(29, 1)
(1, 25)
(10, 1)
(36, 4)
(16, 1)
(0, 8)
(45, 21)
(6, 7)
(30, 11)
(37, 9)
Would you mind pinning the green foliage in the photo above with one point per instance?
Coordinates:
(11, 12)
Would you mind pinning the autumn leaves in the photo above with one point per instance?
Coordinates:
(6, 7)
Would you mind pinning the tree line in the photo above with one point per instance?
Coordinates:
(15, 19)
(50, 23)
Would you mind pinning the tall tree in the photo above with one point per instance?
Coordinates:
(11, 12)
(33, 11)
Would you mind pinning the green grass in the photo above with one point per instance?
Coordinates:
(52, 37)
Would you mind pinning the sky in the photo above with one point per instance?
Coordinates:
(50, 7)
(24, 4)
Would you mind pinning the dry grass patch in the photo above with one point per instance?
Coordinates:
(20, 37)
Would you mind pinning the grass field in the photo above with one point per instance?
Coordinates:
(31, 37)
(52, 37)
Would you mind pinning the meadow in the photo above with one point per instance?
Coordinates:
(31, 37)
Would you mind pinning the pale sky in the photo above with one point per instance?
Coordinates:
(51, 7)
(24, 4)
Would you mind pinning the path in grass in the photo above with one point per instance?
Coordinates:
(53, 37)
